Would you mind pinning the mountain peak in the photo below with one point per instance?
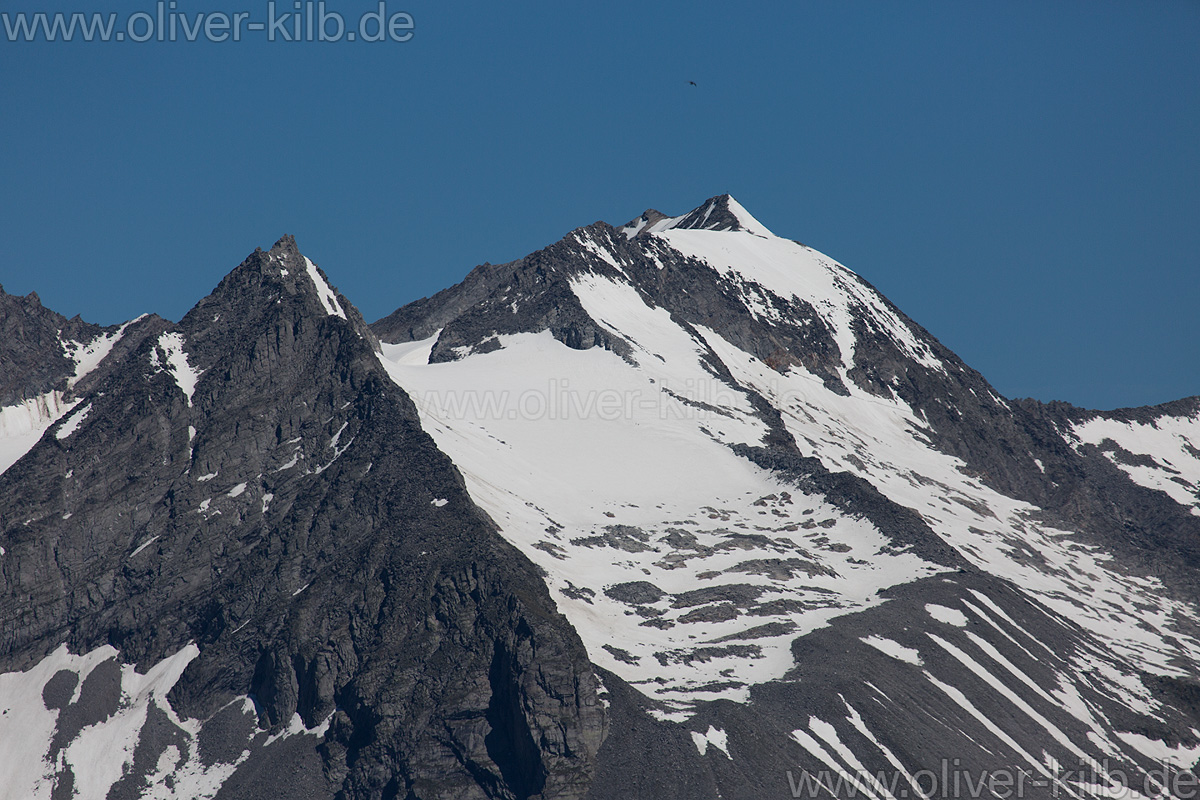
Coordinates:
(720, 213)
(284, 265)
(269, 287)
(285, 246)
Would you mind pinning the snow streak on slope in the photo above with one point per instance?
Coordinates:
(1163, 455)
(73, 422)
(88, 355)
(1062, 698)
(787, 269)
(326, 295)
(686, 569)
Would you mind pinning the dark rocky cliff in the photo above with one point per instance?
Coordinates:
(293, 520)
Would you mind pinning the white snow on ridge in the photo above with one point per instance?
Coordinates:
(22, 425)
(642, 224)
(1171, 444)
(634, 228)
(599, 250)
(792, 270)
(87, 356)
(326, 295)
(569, 450)
(745, 219)
(175, 361)
(410, 353)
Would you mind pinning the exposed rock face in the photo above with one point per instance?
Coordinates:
(291, 518)
(33, 361)
(44, 351)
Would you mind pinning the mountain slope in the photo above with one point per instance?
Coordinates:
(47, 363)
(675, 509)
(667, 452)
(251, 509)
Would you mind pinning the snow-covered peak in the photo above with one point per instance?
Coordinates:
(772, 275)
(720, 213)
(651, 221)
(704, 348)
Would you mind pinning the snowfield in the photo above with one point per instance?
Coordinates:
(676, 559)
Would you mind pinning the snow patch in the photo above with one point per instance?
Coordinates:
(1181, 756)
(170, 355)
(88, 355)
(73, 422)
(143, 545)
(102, 752)
(894, 649)
(410, 353)
(1167, 451)
(295, 727)
(713, 736)
(326, 295)
(949, 616)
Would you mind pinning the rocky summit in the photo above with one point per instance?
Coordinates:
(675, 509)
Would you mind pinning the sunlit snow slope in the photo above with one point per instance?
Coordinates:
(623, 470)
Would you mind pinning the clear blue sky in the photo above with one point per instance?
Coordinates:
(1022, 178)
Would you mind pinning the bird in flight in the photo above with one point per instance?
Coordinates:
(693, 83)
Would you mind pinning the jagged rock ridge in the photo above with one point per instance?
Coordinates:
(250, 485)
